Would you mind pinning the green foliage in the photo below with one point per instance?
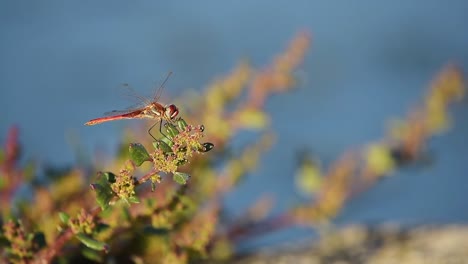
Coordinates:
(138, 154)
(181, 178)
(171, 130)
(91, 242)
(103, 189)
(162, 145)
(20, 245)
(64, 217)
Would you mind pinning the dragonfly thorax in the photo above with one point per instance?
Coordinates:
(168, 112)
(156, 109)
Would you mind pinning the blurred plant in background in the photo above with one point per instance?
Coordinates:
(134, 212)
(404, 145)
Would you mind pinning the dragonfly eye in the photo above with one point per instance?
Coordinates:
(171, 111)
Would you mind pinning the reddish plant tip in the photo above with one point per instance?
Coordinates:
(12, 146)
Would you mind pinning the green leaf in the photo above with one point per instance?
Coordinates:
(133, 199)
(167, 141)
(138, 153)
(180, 177)
(181, 124)
(92, 243)
(171, 130)
(110, 177)
(160, 144)
(104, 193)
(92, 255)
(64, 217)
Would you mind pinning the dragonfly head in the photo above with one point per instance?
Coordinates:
(170, 112)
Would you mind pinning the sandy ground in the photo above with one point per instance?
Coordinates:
(376, 245)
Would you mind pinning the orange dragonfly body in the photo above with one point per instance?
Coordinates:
(151, 109)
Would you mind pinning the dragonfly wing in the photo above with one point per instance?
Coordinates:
(117, 112)
(129, 92)
(134, 108)
(158, 93)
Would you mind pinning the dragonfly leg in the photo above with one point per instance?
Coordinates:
(160, 130)
(151, 128)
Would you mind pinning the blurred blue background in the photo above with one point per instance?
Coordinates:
(62, 63)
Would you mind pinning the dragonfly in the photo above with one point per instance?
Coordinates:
(149, 109)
